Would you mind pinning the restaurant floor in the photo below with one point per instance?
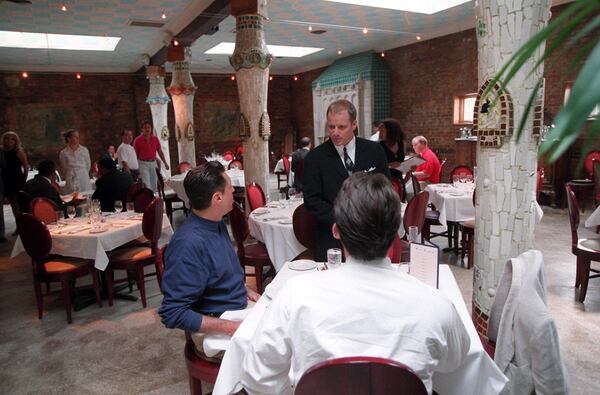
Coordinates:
(125, 349)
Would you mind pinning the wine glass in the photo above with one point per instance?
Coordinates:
(413, 233)
(118, 206)
(71, 212)
(130, 207)
(292, 193)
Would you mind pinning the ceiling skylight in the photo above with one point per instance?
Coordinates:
(420, 6)
(57, 41)
(225, 48)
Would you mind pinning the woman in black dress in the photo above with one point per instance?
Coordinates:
(14, 174)
(392, 140)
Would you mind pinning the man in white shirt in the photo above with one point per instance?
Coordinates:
(126, 155)
(365, 308)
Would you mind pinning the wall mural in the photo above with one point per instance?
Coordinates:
(220, 121)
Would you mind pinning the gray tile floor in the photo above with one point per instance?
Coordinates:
(125, 349)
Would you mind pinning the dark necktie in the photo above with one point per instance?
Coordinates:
(348, 162)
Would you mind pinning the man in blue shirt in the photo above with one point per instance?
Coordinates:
(203, 277)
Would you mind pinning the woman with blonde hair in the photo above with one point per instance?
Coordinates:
(14, 174)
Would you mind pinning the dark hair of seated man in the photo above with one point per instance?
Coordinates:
(202, 182)
(46, 168)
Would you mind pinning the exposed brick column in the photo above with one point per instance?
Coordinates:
(251, 61)
(506, 167)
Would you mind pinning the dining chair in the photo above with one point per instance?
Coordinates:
(360, 376)
(239, 152)
(44, 209)
(47, 268)
(199, 369)
(170, 197)
(395, 250)
(133, 188)
(285, 174)
(133, 259)
(305, 229)
(228, 156)
(586, 250)
(142, 199)
(398, 184)
(467, 240)
(24, 201)
(415, 183)
(460, 170)
(256, 196)
(254, 255)
(184, 166)
(586, 184)
(414, 215)
(236, 164)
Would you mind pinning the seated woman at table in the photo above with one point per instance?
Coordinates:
(41, 184)
(364, 308)
(112, 185)
(392, 140)
(203, 277)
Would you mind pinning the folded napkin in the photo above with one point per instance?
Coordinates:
(213, 344)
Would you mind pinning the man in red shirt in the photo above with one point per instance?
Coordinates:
(146, 147)
(428, 172)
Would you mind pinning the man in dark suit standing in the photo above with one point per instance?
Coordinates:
(298, 162)
(328, 165)
(41, 184)
(112, 184)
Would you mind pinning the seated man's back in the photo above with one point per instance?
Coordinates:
(41, 184)
(112, 185)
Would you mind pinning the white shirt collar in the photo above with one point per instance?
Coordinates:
(46, 178)
(384, 263)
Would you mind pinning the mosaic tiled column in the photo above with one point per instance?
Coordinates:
(506, 166)
(182, 91)
(158, 101)
(251, 61)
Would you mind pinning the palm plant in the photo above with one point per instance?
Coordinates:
(579, 19)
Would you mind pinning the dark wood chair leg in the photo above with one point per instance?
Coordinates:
(578, 273)
(169, 207)
(583, 198)
(96, 279)
(258, 273)
(195, 385)
(425, 232)
(129, 280)
(463, 244)
(66, 291)
(141, 284)
(39, 298)
(108, 279)
(450, 233)
(584, 276)
(471, 244)
(159, 273)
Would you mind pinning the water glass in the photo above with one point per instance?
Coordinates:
(334, 258)
(455, 180)
(60, 217)
(71, 211)
(130, 207)
(118, 206)
(292, 193)
(413, 234)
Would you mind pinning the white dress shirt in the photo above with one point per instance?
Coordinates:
(76, 166)
(350, 149)
(126, 153)
(362, 308)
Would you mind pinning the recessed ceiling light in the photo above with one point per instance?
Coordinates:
(365, 30)
(421, 6)
(57, 41)
(24, 74)
(226, 48)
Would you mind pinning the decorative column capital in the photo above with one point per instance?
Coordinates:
(250, 51)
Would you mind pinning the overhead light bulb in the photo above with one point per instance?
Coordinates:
(24, 74)
(175, 42)
(295, 78)
(365, 30)
(233, 77)
(339, 51)
(383, 54)
(418, 37)
(78, 76)
(270, 78)
(63, 7)
(163, 15)
(309, 28)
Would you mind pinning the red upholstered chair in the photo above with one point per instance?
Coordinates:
(398, 184)
(415, 183)
(169, 196)
(24, 201)
(256, 196)
(360, 376)
(305, 229)
(254, 255)
(183, 167)
(459, 170)
(236, 164)
(228, 156)
(43, 209)
(414, 215)
(38, 244)
(142, 199)
(395, 251)
(133, 188)
(198, 369)
(285, 174)
(135, 258)
(586, 250)
(586, 184)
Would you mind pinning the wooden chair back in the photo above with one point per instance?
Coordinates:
(573, 214)
(236, 164)
(305, 227)
(395, 250)
(160, 183)
(415, 184)
(360, 376)
(44, 209)
(414, 215)
(398, 184)
(239, 227)
(142, 199)
(24, 201)
(133, 188)
(460, 169)
(588, 165)
(228, 156)
(152, 223)
(286, 164)
(256, 196)
(36, 240)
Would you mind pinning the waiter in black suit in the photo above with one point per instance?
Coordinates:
(328, 165)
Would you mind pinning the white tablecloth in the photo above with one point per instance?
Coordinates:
(456, 204)
(477, 375)
(84, 244)
(594, 219)
(278, 237)
(176, 183)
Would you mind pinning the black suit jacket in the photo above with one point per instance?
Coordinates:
(298, 165)
(111, 187)
(322, 178)
(39, 186)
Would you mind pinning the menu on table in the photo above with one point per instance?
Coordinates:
(424, 263)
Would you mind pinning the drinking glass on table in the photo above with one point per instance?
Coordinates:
(60, 217)
(118, 206)
(292, 193)
(71, 212)
(455, 180)
(413, 234)
(334, 258)
(130, 207)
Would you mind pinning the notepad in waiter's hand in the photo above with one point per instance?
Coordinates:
(424, 263)
(408, 164)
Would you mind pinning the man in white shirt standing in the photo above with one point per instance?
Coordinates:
(126, 155)
(365, 308)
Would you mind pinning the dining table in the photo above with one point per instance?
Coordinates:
(79, 239)
(477, 374)
(176, 183)
(594, 219)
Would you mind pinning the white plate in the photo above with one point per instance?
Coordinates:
(99, 230)
(286, 221)
(261, 210)
(302, 265)
(273, 205)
